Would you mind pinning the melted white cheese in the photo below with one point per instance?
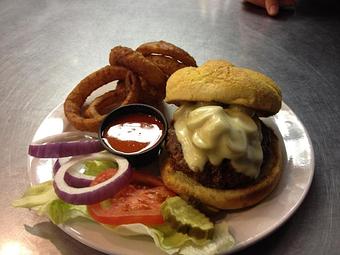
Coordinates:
(211, 133)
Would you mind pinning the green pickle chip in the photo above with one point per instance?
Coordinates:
(186, 219)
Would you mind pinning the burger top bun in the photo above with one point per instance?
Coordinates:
(222, 82)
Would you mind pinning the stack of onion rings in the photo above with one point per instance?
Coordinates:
(141, 77)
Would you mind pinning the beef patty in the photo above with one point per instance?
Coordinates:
(222, 176)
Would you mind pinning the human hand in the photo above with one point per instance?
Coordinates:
(272, 6)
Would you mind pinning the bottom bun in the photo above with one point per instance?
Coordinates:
(250, 195)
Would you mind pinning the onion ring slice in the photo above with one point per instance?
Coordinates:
(137, 63)
(166, 64)
(105, 103)
(168, 49)
(75, 100)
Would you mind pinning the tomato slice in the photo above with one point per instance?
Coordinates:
(105, 175)
(138, 202)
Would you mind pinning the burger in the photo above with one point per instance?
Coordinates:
(218, 151)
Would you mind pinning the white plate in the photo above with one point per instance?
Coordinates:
(247, 226)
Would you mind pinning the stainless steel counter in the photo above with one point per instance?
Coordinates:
(47, 47)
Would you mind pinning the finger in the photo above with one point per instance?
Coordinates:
(272, 7)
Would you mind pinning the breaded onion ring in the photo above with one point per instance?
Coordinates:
(166, 64)
(137, 63)
(104, 103)
(167, 49)
(125, 93)
(75, 100)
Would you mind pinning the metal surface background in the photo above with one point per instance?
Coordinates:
(46, 47)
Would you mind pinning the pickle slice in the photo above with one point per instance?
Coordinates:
(186, 219)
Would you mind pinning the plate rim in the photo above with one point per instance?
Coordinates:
(238, 246)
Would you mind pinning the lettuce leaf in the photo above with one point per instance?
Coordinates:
(42, 199)
(171, 242)
(60, 212)
(37, 197)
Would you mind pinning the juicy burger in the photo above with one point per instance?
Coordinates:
(218, 150)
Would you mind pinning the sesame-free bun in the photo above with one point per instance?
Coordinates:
(222, 82)
(238, 198)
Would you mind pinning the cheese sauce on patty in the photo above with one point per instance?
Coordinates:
(211, 133)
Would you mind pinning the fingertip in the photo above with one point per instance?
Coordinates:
(273, 10)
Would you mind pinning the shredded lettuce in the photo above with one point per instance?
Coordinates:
(42, 199)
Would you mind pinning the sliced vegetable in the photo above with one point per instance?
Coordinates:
(83, 174)
(65, 145)
(138, 202)
(76, 179)
(42, 199)
(186, 219)
(97, 193)
(56, 166)
(59, 162)
(172, 242)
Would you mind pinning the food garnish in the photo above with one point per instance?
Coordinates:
(64, 145)
(92, 194)
(186, 219)
(137, 202)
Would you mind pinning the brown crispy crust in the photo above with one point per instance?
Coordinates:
(126, 92)
(137, 63)
(167, 49)
(75, 100)
(105, 103)
(233, 198)
(166, 64)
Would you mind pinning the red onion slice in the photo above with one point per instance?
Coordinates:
(97, 193)
(65, 145)
(74, 178)
(78, 180)
(56, 167)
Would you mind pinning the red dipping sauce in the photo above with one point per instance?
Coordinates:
(133, 132)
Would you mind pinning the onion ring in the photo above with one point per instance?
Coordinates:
(167, 49)
(75, 100)
(127, 93)
(137, 63)
(166, 64)
(104, 103)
